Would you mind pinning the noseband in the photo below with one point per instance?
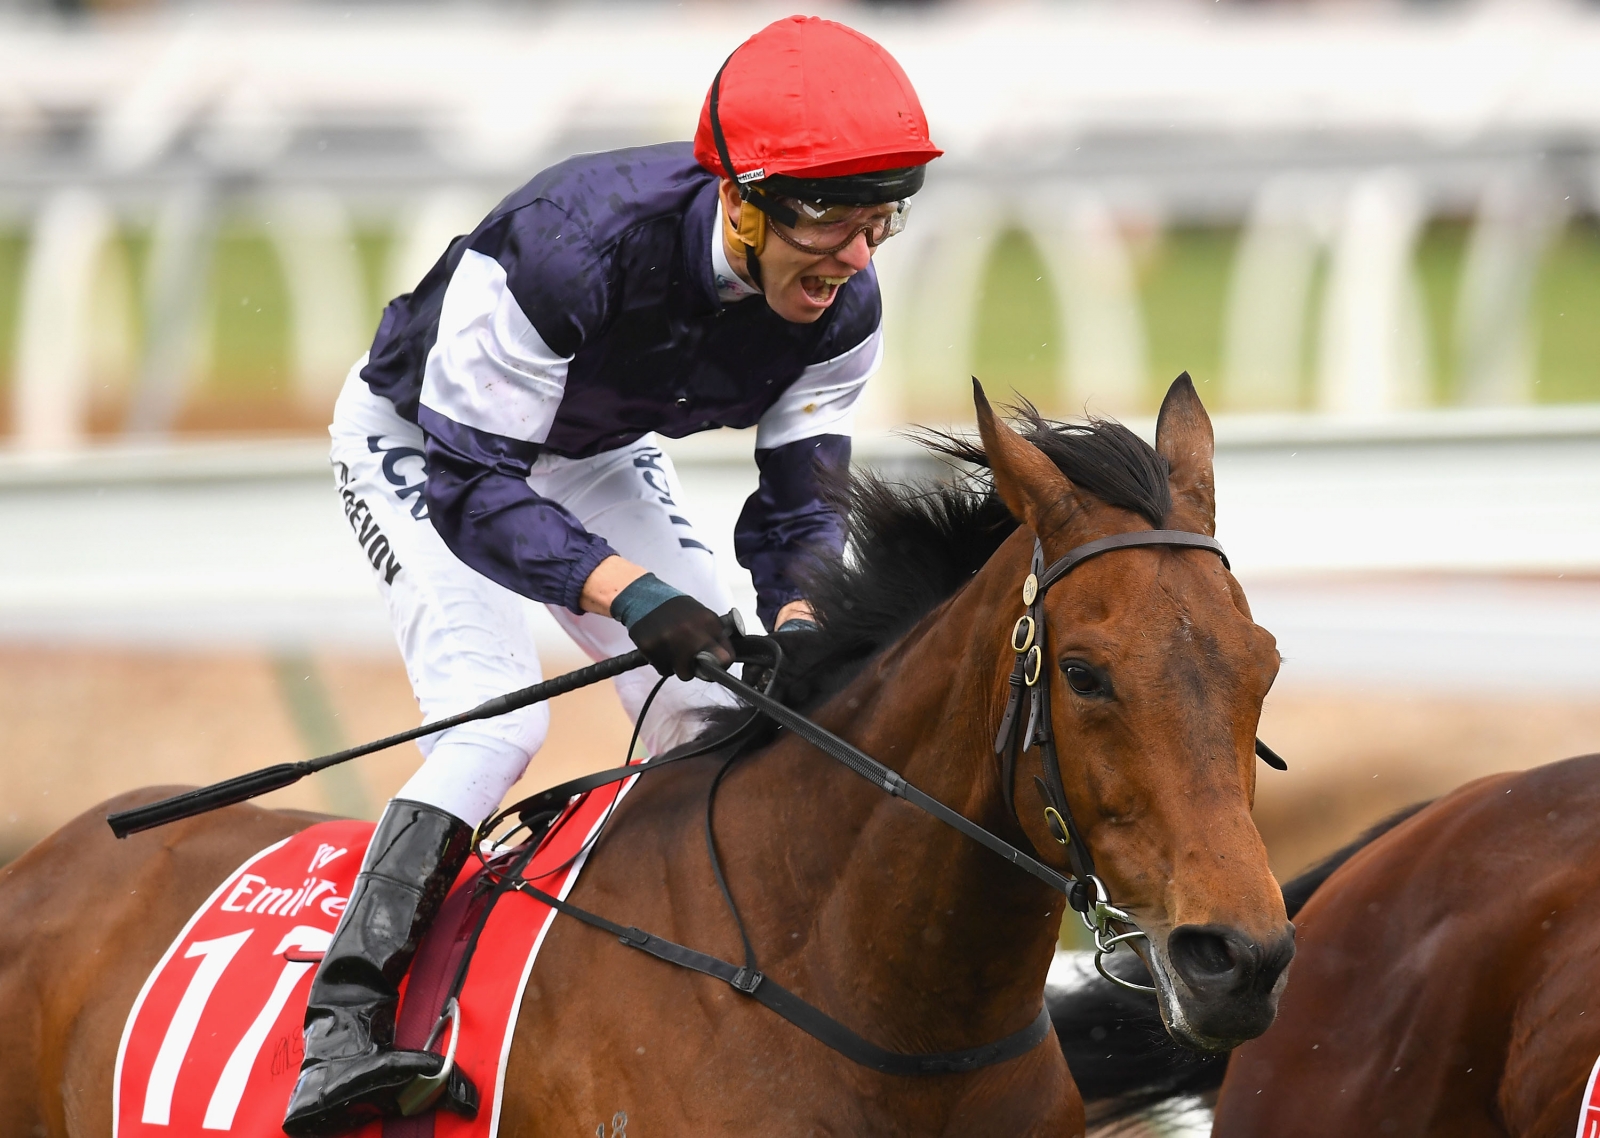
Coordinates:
(1030, 674)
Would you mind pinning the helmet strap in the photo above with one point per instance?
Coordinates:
(752, 229)
(767, 205)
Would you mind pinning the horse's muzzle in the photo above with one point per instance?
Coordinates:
(1231, 981)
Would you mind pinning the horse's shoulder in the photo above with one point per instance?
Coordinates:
(1495, 845)
(1515, 812)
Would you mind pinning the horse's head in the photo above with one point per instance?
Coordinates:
(1160, 673)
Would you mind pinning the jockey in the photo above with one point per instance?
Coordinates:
(497, 445)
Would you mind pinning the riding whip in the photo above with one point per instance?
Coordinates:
(242, 788)
(246, 786)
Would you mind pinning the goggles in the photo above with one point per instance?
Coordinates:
(821, 229)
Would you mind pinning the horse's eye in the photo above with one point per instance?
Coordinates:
(1081, 679)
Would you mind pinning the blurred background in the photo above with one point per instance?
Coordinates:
(1367, 230)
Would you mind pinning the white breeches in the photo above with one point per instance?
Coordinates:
(465, 639)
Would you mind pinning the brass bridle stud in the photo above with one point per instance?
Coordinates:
(1058, 827)
(1031, 666)
(1030, 589)
(1022, 635)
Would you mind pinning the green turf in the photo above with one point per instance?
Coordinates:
(1182, 281)
(1440, 251)
(373, 247)
(250, 351)
(1315, 295)
(1568, 318)
(1183, 284)
(1018, 347)
(1182, 278)
(13, 248)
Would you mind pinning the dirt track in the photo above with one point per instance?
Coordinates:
(78, 726)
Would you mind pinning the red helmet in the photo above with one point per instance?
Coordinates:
(814, 110)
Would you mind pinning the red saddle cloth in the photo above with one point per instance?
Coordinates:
(213, 1043)
(1589, 1112)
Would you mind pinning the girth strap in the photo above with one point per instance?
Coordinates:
(815, 1023)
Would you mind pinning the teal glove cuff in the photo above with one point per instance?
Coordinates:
(641, 598)
(799, 624)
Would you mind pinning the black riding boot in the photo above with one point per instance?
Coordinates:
(351, 1074)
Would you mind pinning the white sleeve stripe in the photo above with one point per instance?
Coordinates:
(489, 368)
(823, 400)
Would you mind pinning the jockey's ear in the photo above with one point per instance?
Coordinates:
(1032, 487)
(1185, 440)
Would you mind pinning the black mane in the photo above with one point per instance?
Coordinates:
(911, 547)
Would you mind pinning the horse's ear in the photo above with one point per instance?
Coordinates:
(1032, 487)
(1184, 439)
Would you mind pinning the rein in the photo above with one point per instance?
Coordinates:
(1084, 891)
(748, 979)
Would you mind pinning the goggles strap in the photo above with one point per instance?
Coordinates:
(752, 264)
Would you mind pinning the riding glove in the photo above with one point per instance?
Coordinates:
(670, 628)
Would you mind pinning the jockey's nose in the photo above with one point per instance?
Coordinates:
(857, 254)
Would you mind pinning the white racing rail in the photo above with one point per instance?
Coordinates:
(1403, 548)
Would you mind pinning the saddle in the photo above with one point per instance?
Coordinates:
(213, 1041)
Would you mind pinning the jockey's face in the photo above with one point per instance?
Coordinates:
(799, 286)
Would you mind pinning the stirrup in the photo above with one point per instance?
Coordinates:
(424, 1091)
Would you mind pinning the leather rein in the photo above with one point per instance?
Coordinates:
(1030, 673)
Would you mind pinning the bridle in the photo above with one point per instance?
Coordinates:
(1029, 638)
(505, 860)
(1084, 891)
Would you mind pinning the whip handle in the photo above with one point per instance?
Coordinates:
(212, 797)
(231, 791)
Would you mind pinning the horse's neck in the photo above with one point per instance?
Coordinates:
(886, 907)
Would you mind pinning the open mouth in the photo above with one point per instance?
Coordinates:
(820, 290)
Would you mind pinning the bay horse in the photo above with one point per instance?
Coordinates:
(1444, 984)
(908, 932)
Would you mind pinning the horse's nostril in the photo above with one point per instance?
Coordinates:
(1210, 954)
(1218, 959)
(1231, 979)
(1203, 955)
